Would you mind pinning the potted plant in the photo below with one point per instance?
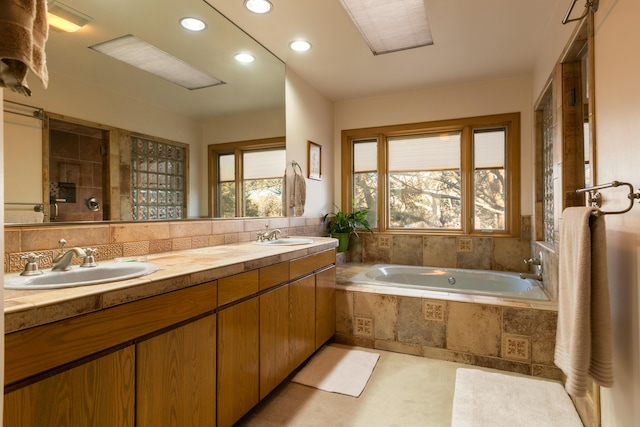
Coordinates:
(341, 225)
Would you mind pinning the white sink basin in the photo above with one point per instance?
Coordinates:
(78, 276)
(285, 241)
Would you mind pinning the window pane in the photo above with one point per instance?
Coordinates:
(263, 197)
(489, 179)
(424, 152)
(227, 199)
(489, 203)
(365, 155)
(226, 167)
(489, 148)
(365, 174)
(264, 164)
(425, 200)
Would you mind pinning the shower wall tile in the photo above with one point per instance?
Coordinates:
(382, 308)
(474, 328)
(481, 258)
(439, 251)
(543, 337)
(344, 312)
(406, 250)
(509, 254)
(519, 321)
(372, 252)
(414, 329)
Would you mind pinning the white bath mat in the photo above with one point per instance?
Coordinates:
(338, 370)
(491, 399)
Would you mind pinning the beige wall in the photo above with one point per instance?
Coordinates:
(475, 99)
(310, 118)
(618, 142)
(93, 104)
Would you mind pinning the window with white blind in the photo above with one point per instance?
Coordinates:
(457, 176)
(246, 178)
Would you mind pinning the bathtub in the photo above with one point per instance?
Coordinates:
(452, 280)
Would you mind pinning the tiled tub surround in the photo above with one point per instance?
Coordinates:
(178, 270)
(493, 332)
(123, 239)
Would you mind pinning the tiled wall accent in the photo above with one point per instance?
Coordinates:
(117, 239)
(485, 253)
(518, 339)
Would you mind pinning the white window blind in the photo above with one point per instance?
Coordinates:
(424, 152)
(488, 149)
(226, 167)
(264, 164)
(365, 156)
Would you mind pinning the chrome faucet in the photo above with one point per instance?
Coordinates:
(268, 235)
(63, 260)
(272, 235)
(536, 263)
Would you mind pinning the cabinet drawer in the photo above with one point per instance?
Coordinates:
(236, 287)
(274, 275)
(300, 267)
(36, 350)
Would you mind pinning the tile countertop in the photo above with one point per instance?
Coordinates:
(28, 308)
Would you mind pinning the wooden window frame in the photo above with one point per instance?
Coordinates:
(509, 121)
(237, 148)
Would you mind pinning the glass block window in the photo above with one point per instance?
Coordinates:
(158, 179)
(547, 169)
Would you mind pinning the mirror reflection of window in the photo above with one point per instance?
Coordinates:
(247, 178)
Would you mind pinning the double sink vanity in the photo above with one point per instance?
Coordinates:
(200, 341)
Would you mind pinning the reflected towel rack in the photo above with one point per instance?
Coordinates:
(37, 207)
(595, 198)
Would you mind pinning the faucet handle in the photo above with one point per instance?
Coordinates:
(31, 267)
(61, 243)
(89, 260)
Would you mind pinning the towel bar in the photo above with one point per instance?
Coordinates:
(37, 207)
(595, 198)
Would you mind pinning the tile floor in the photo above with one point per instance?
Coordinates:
(403, 390)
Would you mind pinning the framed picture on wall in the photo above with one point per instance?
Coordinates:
(314, 161)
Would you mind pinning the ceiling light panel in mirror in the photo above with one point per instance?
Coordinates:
(158, 24)
(90, 87)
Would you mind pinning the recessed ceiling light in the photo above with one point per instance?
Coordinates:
(244, 58)
(192, 24)
(300, 45)
(151, 59)
(258, 6)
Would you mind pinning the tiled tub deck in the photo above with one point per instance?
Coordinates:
(511, 335)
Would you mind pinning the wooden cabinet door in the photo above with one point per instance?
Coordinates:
(302, 309)
(274, 339)
(325, 305)
(97, 393)
(176, 376)
(238, 360)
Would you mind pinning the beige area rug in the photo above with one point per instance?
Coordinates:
(492, 399)
(338, 370)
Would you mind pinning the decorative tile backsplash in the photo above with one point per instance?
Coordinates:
(116, 239)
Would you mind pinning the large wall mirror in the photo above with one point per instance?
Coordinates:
(110, 106)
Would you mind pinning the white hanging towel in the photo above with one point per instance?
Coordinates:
(298, 191)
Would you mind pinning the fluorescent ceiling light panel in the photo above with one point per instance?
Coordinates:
(390, 25)
(66, 18)
(149, 58)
